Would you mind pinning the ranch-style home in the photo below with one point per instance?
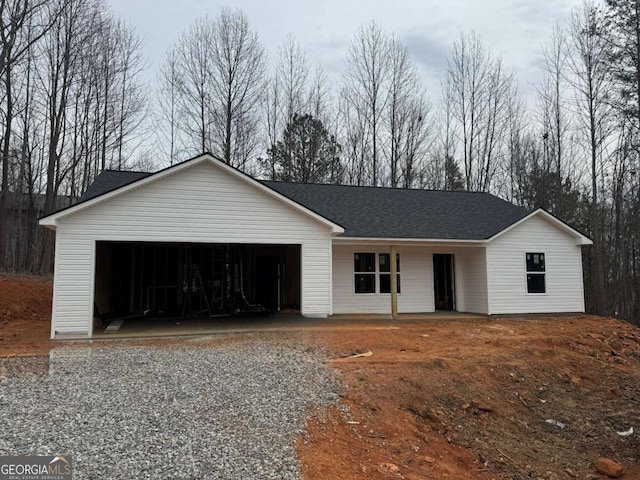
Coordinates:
(203, 239)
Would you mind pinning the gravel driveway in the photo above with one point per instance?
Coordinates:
(230, 411)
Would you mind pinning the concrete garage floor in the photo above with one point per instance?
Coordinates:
(175, 327)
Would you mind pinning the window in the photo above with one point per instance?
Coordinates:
(366, 269)
(536, 272)
(365, 272)
(385, 272)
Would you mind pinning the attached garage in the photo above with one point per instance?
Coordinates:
(162, 243)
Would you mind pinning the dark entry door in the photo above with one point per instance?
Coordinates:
(443, 281)
(268, 282)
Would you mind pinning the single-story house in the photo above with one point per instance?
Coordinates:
(202, 238)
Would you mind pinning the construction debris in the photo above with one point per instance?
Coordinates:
(555, 423)
(626, 433)
(359, 355)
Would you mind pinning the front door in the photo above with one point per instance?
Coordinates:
(443, 281)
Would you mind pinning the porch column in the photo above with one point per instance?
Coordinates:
(394, 282)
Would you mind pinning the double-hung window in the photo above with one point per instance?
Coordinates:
(364, 266)
(385, 272)
(372, 272)
(536, 273)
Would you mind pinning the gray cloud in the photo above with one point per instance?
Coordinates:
(428, 52)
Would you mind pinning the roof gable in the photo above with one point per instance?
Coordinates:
(115, 183)
(581, 239)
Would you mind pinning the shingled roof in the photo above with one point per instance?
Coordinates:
(405, 213)
(109, 180)
(375, 212)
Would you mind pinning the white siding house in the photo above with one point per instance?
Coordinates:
(457, 251)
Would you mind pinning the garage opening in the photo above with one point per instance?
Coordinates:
(188, 280)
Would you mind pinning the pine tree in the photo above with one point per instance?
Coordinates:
(307, 153)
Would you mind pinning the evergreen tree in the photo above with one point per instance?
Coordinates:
(307, 153)
(452, 175)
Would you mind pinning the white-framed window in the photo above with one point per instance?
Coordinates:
(384, 273)
(372, 272)
(364, 268)
(536, 273)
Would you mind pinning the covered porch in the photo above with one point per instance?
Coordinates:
(430, 277)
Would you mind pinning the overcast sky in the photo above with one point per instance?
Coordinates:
(514, 29)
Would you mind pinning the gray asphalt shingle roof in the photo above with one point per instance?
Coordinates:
(404, 213)
(109, 180)
(375, 212)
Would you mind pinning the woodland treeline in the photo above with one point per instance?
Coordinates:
(73, 101)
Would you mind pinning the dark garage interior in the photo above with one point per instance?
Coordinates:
(194, 280)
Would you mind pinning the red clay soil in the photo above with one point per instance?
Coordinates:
(25, 315)
(470, 399)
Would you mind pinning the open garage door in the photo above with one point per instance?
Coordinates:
(181, 280)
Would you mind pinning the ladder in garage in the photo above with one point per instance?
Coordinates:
(193, 286)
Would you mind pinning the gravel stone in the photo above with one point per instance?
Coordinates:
(230, 411)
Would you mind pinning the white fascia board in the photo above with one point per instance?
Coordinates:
(407, 241)
(51, 221)
(580, 238)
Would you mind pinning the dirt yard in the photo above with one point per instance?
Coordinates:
(539, 398)
(25, 315)
(478, 399)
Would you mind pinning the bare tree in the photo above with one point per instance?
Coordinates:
(169, 79)
(365, 86)
(292, 78)
(479, 88)
(319, 100)
(444, 149)
(408, 119)
(552, 99)
(130, 99)
(592, 82)
(355, 141)
(222, 65)
(22, 24)
(286, 95)
(195, 60)
(238, 72)
(61, 50)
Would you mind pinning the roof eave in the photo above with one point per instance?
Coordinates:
(48, 222)
(409, 241)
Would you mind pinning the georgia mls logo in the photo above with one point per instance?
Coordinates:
(59, 465)
(36, 468)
